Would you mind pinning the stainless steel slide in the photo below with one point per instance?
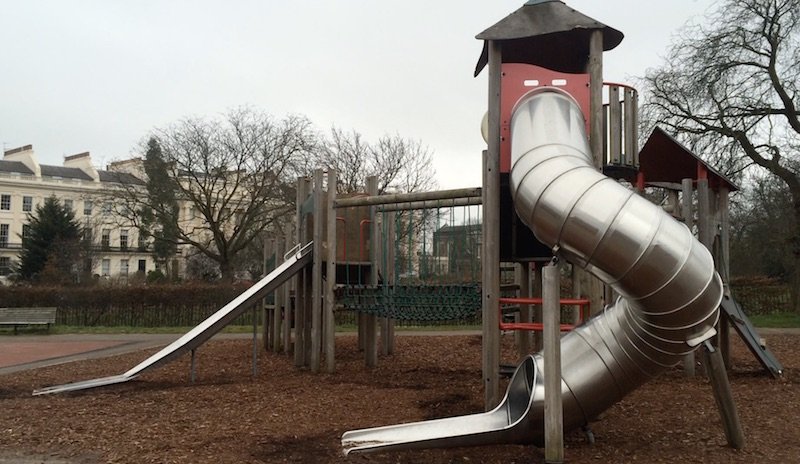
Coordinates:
(205, 330)
(670, 290)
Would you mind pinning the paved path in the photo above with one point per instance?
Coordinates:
(21, 352)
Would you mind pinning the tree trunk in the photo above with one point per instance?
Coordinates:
(794, 244)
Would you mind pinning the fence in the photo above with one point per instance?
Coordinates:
(763, 299)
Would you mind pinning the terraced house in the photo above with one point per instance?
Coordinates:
(118, 249)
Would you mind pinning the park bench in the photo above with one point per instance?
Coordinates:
(27, 316)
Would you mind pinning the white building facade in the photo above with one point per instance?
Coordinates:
(118, 250)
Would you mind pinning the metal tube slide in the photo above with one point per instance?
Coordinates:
(670, 290)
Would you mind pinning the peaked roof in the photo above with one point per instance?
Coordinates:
(664, 159)
(546, 33)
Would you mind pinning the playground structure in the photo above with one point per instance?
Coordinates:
(543, 195)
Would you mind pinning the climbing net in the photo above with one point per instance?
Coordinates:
(429, 265)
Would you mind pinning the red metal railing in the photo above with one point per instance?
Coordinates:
(583, 304)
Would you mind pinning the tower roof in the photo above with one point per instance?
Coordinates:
(546, 33)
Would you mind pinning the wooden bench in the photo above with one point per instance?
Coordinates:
(27, 316)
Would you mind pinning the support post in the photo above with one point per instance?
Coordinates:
(267, 248)
(387, 332)
(287, 298)
(330, 275)
(300, 280)
(536, 291)
(723, 396)
(255, 341)
(525, 312)
(370, 321)
(490, 359)
(280, 302)
(553, 407)
(316, 273)
(687, 211)
(722, 258)
(595, 70)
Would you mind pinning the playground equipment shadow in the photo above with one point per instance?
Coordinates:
(287, 414)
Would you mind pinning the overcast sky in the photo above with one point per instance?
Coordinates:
(98, 75)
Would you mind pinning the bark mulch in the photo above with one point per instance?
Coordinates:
(291, 415)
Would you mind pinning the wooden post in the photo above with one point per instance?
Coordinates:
(722, 257)
(255, 341)
(536, 292)
(288, 316)
(316, 275)
(553, 407)
(308, 304)
(687, 211)
(723, 396)
(330, 274)
(525, 312)
(595, 70)
(267, 330)
(300, 280)
(370, 321)
(388, 274)
(280, 302)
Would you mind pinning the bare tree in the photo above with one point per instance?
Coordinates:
(730, 89)
(233, 179)
(401, 165)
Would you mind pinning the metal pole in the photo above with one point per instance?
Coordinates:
(553, 408)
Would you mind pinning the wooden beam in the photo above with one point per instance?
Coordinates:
(375, 199)
(330, 274)
(316, 272)
(490, 358)
(370, 321)
(723, 396)
(687, 212)
(596, 96)
(553, 407)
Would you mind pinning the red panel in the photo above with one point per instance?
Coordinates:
(517, 80)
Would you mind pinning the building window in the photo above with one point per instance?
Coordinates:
(105, 239)
(142, 242)
(87, 208)
(5, 202)
(3, 235)
(106, 209)
(105, 267)
(27, 204)
(123, 239)
(68, 204)
(5, 265)
(26, 231)
(123, 267)
(142, 266)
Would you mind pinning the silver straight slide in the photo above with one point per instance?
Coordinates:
(206, 329)
(670, 291)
